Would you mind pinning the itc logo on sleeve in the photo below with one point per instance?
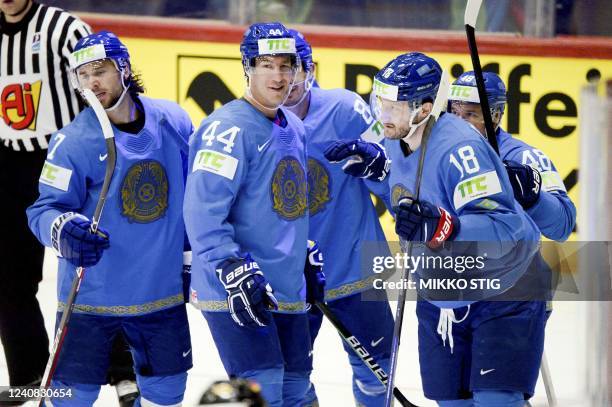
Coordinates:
(55, 176)
(215, 162)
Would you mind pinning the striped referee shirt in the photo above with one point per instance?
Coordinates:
(36, 95)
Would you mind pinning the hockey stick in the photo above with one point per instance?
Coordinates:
(62, 328)
(362, 352)
(471, 14)
(438, 106)
(548, 385)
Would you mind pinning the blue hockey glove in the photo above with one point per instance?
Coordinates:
(249, 296)
(72, 239)
(313, 273)
(526, 183)
(421, 221)
(367, 160)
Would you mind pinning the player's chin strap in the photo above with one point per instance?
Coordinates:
(415, 142)
(414, 127)
(308, 82)
(445, 325)
(125, 89)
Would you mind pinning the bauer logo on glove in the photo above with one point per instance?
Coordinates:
(72, 239)
(249, 296)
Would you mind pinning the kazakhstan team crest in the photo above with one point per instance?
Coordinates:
(289, 189)
(144, 192)
(318, 186)
(397, 192)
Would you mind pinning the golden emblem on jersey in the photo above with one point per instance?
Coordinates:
(319, 184)
(399, 191)
(19, 105)
(289, 189)
(144, 192)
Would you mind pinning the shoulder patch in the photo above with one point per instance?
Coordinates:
(55, 176)
(476, 187)
(215, 162)
(551, 181)
(488, 204)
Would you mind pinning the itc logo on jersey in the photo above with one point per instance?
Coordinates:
(476, 187)
(19, 105)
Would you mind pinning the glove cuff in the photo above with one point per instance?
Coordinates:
(446, 230)
(56, 229)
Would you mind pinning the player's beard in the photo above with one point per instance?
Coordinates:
(113, 101)
(396, 133)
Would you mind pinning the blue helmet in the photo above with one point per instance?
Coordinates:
(413, 77)
(464, 90)
(266, 39)
(101, 45)
(304, 50)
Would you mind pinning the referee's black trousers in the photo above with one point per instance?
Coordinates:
(22, 328)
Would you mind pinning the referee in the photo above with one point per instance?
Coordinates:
(36, 99)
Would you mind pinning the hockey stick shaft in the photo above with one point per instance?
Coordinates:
(471, 14)
(62, 328)
(362, 352)
(548, 385)
(438, 106)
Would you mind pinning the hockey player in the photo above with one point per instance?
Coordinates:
(334, 193)
(477, 369)
(495, 347)
(134, 263)
(535, 181)
(246, 213)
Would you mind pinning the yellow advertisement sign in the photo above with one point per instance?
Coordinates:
(543, 92)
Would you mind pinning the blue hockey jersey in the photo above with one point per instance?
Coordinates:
(554, 213)
(247, 192)
(141, 271)
(463, 175)
(343, 218)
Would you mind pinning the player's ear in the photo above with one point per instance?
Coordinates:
(426, 109)
(497, 116)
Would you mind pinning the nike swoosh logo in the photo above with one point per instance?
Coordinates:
(186, 353)
(260, 148)
(376, 342)
(103, 157)
(484, 372)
